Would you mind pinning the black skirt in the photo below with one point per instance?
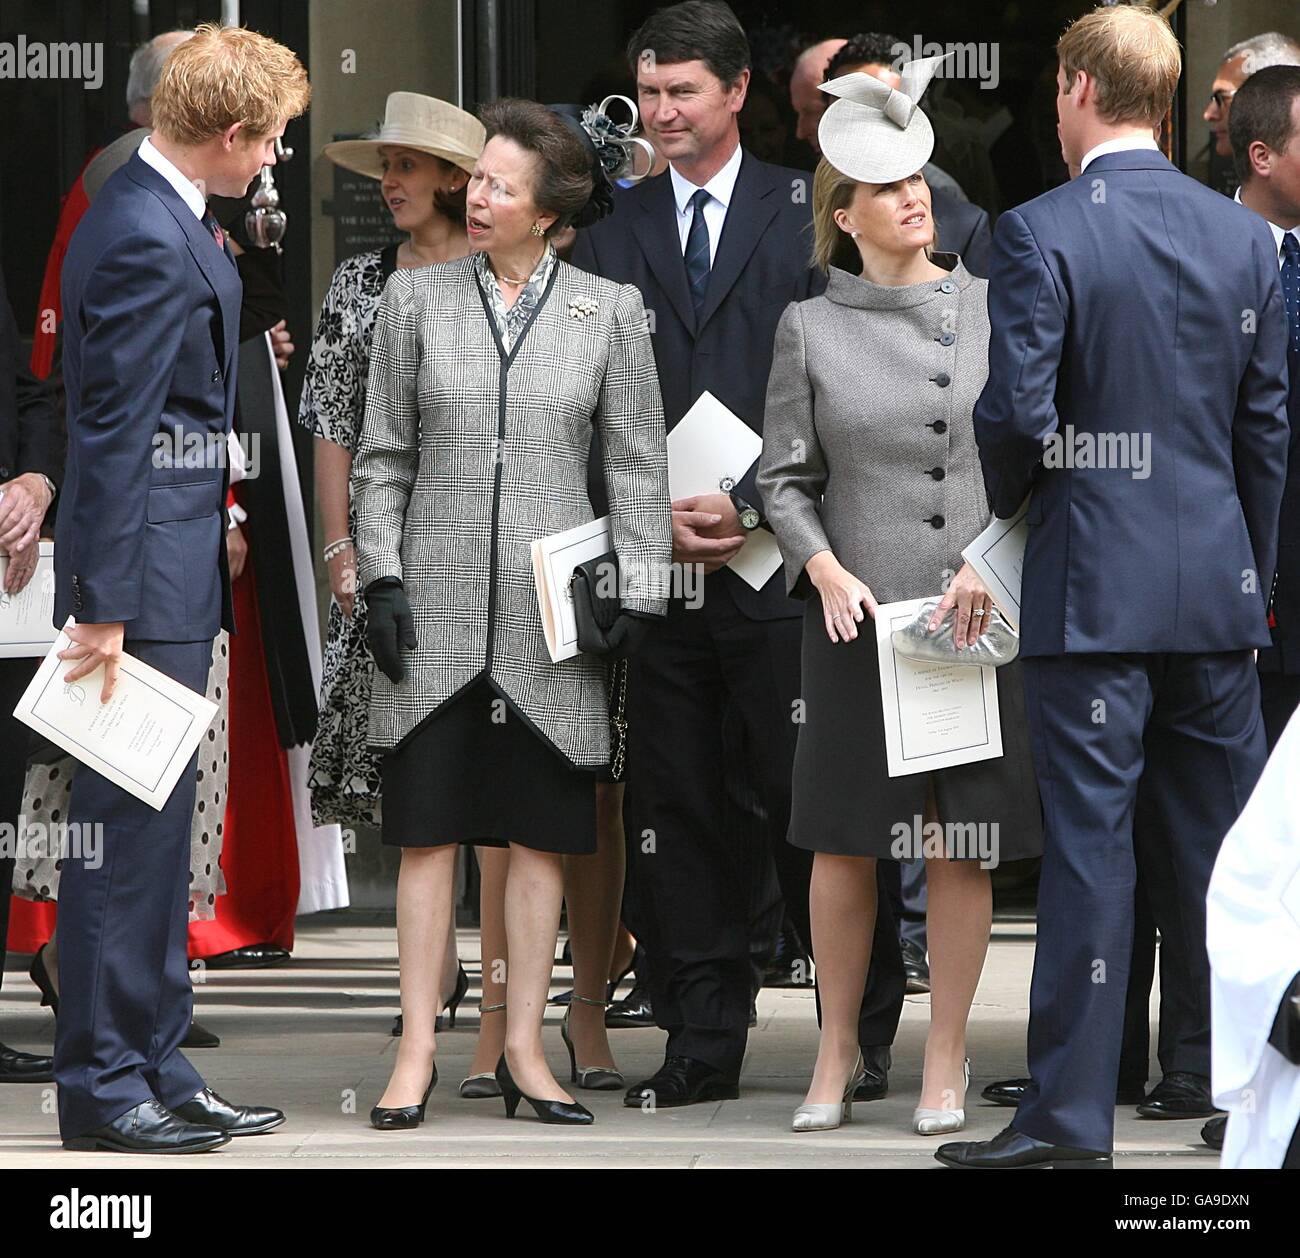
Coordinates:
(844, 801)
(474, 771)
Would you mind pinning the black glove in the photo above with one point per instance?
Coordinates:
(389, 625)
(627, 633)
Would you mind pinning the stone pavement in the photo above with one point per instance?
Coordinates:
(312, 1037)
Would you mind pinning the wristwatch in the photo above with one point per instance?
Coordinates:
(49, 484)
(749, 516)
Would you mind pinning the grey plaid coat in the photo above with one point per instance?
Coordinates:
(468, 454)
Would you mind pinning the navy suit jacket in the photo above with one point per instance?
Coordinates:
(1284, 655)
(762, 263)
(151, 324)
(1135, 302)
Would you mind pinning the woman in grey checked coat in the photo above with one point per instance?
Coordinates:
(486, 377)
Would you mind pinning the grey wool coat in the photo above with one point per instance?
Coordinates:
(868, 441)
(467, 454)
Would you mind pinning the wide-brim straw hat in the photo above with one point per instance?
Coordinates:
(417, 122)
(875, 133)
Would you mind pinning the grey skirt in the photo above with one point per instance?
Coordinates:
(844, 801)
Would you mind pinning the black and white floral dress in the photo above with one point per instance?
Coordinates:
(345, 777)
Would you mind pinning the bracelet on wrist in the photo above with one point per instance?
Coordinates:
(336, 547)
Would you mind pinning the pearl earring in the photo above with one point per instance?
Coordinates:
(854, 235)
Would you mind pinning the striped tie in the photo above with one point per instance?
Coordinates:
(1291, 289)
(697, 253)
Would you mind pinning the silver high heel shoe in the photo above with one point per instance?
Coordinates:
(815, 1116)
(940, 1122)
(479, 1087)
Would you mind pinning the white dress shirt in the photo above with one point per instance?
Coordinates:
(719, 188)
(1279, 233)
(186, 189)
(1122, 144)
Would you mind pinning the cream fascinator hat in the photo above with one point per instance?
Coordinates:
(875, 133)
(416, 122)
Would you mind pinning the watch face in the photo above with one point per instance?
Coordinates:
(749, 518)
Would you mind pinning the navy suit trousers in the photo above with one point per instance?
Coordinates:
(1186, 730)
(125, 999)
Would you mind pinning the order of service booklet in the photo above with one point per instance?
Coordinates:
(27, 618)
(141, 739)
(936, 715)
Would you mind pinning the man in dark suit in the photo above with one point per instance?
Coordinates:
(1155, 475)
(151, 315)
(31, 465)
(1267, 154)
(718, 246)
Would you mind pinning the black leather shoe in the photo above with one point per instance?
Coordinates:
(634, 1010)
(39, 973)
(1005, 1092)
(149, 1127)
(915, 967)
(1011, 1091)
(876, 1061)
(556, 1113)
(16, 1067)
(682, 1081)
(1013, 1150)
(403, 1117)
(210, 1110)
(1213, 1131)
(198, 1036)
(252, 957)
(1179, 1095)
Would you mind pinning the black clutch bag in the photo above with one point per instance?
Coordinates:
(594, 586)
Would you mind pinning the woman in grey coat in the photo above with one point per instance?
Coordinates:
(871, 481)
(487, 375)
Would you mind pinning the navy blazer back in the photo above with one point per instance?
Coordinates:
(150, 332)
(762, 263)
(1137, 315)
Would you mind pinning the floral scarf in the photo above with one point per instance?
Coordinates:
(511, 322)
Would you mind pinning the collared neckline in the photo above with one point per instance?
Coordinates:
(721, 187)
(1121, 144)
(185, 188)
(1279, 233)
(846, 289)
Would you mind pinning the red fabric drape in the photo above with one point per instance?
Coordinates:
(260, 851)
(44, 339)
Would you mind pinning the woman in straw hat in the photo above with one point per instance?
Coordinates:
(421, 156)
(872, 504)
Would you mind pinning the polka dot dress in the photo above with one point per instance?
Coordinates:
(45, 801)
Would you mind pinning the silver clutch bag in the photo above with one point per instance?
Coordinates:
(998, 644)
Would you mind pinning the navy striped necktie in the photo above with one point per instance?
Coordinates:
(697, 252)
(1291, 289)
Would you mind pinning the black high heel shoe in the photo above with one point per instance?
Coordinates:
(453, 1003)
(403, 1117)
(592, 1078)
(39, 975)
(569, 1114)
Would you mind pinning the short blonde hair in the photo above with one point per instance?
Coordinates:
(224, 75)
(1131, 55)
